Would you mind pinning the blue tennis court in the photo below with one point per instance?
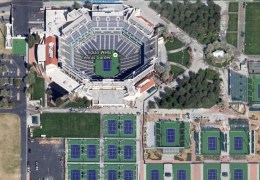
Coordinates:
(155, 175)
(91, 175)
(238, 143)
(212, 143)
(112, 151)
(106, 65)
(112, 175)
(128, 152)
(212, 174)
(112, 126)
(128, 175)
(75, 174)
(128, 127)
(170, 135)
(238, 174)
(181, 174)
(91, 151)
(75, 151)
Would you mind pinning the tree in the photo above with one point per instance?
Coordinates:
(30, 40)
(17, 83)
(37, 38)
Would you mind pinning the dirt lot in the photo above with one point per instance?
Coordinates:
(9, 147)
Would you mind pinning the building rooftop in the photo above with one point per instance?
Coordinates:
(51, 51)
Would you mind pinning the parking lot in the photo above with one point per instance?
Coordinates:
(46, 159)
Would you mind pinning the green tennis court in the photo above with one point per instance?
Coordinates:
(181, 170)
(154, 170)
(210, 142)
(238, 171)
(239, 142)
(211, 169)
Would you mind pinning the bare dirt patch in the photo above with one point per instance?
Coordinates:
(10, 147)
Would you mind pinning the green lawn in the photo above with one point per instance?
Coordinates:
(69, 125)
(252, 42)
(232, 38)
(233, 7)
(175, 70)
(182, 57)
(19, 47)
(232, 23)
(175, 44)
(38, 88)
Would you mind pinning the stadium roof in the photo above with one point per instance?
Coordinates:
(51, 51)
(54, 20)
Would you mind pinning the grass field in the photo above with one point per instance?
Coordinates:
(211, 166)
(10, 147)
(232, 38)
(233, 7)
(176, 71)
(252, 42)
(99, 64)
(38, 88)
(242, 166)
(182, 57)
(172, 45)
(69, 125)
(232, 22)
(245, 136)
(19, 47)
(204, 143)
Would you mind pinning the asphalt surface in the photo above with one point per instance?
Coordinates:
(46, 159)
(23, 12)
(20, 107)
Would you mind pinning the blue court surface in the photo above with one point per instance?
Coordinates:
(212, 143)
(128, 175)
(128, 152)
(212, 174)
(106, 65)
(112, 126)
(170, 135)
(75, 151)
(155, 175)
(91, 174)
(128, 127)
(238, 143)
(112, 175)
(75, 174)
(181, 175)
(238, 174)
(112, 151)
(91, 149)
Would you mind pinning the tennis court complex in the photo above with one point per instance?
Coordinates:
(83, 150)
(238, 171)
(254, 89)
(107, 64)
(210, 142)
(211, 171)
(120, 172)
(123, 126)
(239, 142)
(86, 171)
(119, 150)
(172, 134)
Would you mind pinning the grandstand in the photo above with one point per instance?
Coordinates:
(238, 87)
(108, 28)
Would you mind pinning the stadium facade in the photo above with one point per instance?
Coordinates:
(108, 27)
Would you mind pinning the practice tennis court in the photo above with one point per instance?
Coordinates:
(154, 171)
(211, 171)
(123, 126)
(253, 89)
(84, 171)
(181, 171)
(210, 142)
(120, 171)
(238, 171)
(83, 150)
(239, 142)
